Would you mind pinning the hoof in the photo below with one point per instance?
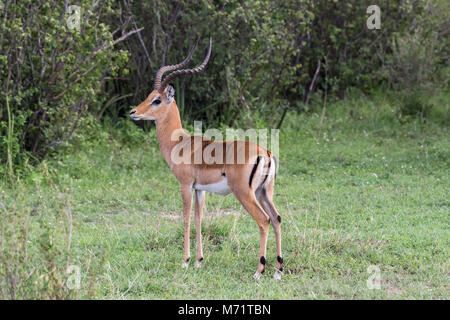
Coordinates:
(257, 276)
(277, 275)
(185, 265)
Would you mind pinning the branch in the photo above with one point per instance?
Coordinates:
(73, 83)
(126, 35)
(311, 86)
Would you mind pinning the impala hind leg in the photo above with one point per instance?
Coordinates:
(266, 200)
(186, 194)
(249, 202)
(199, 201)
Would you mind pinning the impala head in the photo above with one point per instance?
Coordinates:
(156, 106)
(160, 100)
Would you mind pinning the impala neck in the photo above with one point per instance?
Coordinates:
(164, 130)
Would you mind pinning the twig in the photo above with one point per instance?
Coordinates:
(282, 117)
(140, 38)
(311, 86)
(73, 83)
(126, 35)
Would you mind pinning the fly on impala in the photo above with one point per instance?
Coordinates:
(251, 180)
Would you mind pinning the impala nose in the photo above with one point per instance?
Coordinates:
(132, 112)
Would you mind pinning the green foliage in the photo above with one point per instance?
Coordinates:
(58, 82)
(418, 66)
(265, 53)
(51, 74)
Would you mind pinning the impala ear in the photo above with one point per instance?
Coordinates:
(170, 92)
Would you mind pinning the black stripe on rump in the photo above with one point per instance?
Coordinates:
(268, 170)
(254, 170)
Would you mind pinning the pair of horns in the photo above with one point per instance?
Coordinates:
(161, 86)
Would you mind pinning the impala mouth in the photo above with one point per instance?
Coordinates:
(134, 117)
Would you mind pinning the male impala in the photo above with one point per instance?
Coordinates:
(251, 180)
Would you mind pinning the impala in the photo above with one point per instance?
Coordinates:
(251, 180)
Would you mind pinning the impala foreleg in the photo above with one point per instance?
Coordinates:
(186, 194)
(199, 201)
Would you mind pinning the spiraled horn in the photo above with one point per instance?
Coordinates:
(179, 73)
(165, 69)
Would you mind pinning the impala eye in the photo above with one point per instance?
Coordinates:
(157, 101)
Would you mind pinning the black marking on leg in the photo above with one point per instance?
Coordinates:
(253, 170)
(187, 260)
(201, 259)
(281, 269)
(262, 260)
(279, 219)
(223, 174)
(262, 272)
(280, 259)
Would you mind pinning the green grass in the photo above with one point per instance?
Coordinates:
(361, 191)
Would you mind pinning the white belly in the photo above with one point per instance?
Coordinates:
(220, 187)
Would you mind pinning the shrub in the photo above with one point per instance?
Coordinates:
(417, 67)
(50, 74)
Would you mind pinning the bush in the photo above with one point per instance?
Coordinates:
(417, 67)
(50, 74)
(54, 80)
(265, 54)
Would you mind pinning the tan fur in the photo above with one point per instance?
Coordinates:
(262, 210)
